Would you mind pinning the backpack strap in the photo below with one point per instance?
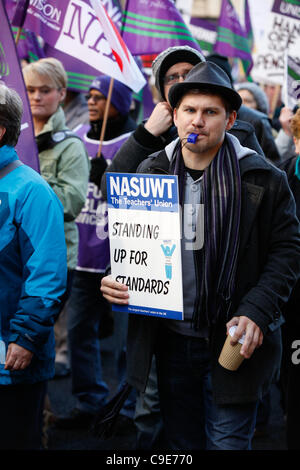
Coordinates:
(48, 140)
(10, 167)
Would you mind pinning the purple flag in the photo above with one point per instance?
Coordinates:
(72, 27)
(145, 103)
(11, 75)
(288, 8)
(248, 26)
(28, 46)
(20, 13)
(151, 30)
(205, 32)
(93, 252)
(232, 40)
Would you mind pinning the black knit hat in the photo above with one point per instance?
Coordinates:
(222, 62)
(173, 55)
(209, 76)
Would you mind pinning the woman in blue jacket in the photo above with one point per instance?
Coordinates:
(33, 271)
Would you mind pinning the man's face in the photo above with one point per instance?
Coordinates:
(96, 105)
(204, 115)
(176, 74)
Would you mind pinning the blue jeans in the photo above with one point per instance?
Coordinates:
(191, 419)
(84, 316)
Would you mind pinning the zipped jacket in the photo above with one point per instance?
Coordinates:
(65, 167)
(268, 267)
(33, 268)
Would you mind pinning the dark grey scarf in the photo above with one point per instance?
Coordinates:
(216, 262)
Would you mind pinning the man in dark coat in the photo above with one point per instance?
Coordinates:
(241, 277)
(169, 67)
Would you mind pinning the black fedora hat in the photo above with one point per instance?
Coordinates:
(209, 76)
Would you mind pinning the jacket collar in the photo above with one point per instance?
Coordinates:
(7, 155)
(249, 162)
(254, 162)
(56, 122)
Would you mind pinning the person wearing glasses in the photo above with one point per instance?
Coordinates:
(64, 165)
(88, 311)
(170, 67)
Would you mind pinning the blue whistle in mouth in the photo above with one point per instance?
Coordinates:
(192, 138)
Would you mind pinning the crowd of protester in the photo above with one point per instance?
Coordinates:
(74, 155)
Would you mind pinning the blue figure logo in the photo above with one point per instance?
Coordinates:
(168, 263)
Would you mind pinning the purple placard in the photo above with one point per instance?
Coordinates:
(287, 8)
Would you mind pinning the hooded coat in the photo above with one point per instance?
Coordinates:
(33, 268)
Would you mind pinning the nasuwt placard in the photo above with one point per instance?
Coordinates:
(145, 248)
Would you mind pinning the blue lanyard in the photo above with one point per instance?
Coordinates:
(297, 168)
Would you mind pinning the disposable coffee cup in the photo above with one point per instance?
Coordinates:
(230, 357)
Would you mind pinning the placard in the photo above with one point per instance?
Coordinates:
(145, 247)
(281, 35)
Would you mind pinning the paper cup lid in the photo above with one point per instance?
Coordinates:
(232, 331)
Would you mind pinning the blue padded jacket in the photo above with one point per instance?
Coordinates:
(33, 268)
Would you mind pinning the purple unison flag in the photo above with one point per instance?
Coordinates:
(11, 75)
(288, 8)
(232, 40)
(148, 30)
(29, 47)
(71, 28)
(79, 77)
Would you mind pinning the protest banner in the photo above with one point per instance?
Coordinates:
(73, 27)
(205, 32)
(79, 77)
(233, 40)
(11, 76)
(145, 246)
(149, 27)
(282, 34)
(291, 86)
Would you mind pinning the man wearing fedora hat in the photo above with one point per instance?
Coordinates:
(169, 67)
(242, 276)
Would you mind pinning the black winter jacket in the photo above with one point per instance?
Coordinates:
(268, 267)
(263, 131)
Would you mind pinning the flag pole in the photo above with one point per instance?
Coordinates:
(18, 35)
(107, 105)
